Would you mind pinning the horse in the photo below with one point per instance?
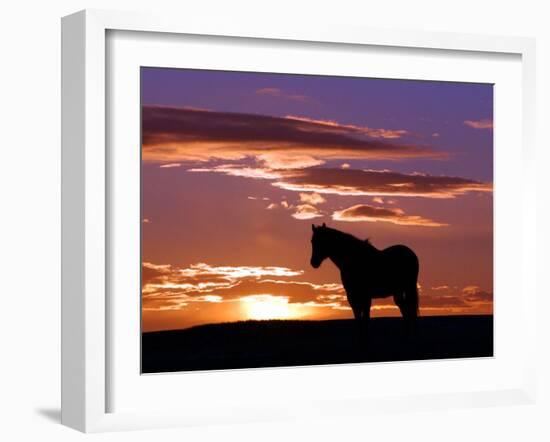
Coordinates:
(369, 273)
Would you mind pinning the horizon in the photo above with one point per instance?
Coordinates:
(307, 320)
(236, 167)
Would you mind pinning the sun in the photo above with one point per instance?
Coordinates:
(263, 307)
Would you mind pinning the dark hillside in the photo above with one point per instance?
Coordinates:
(252, 344)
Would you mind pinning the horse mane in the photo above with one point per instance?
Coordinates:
(353, 240)
(369, 245)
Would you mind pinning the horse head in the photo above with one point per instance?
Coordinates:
(319, 248)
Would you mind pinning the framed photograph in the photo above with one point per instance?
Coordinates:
(262, 223)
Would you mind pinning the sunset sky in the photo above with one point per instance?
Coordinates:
(237, 166)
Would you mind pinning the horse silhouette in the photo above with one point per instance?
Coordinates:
(369, 273)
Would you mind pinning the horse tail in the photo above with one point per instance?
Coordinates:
(414, 301)
(414, 290)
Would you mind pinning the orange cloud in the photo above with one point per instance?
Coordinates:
(241, 171)
(282, 205)
(453, 301)
(364, 130)
(206, 293)
(295, 290)
(479, 124)
(312, 198)
(365, 213)
(306, 211)
(301, 211)
(356, 182)
(166, 287)
(172, 135)
(267, 306)
(202, 269)
(467, 302)
(285, 160)
(470, 289)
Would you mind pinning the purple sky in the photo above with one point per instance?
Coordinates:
(422, 107)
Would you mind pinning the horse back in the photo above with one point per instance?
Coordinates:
(401, 258)
(384, 272)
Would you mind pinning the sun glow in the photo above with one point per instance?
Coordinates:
(263, 307)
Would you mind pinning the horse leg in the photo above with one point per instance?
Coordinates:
(410, 309)
(355, 307)
(403, 303)
(399, 299)
(356, 312)
(365, 319)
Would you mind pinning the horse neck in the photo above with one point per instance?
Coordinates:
(339, 260)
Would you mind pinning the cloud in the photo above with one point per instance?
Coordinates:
(448, 299)
(464, 301)
(296, 291)
(282, 205)
(202, 269)
(356, 182)
(470, 289)
(151, 271)
(479, 296)
(474, 294)
(279, 93)
(479, 124)
(301, 211)
(441, 287)
(364, 130)
(284, 160)
(240, 170)
(306, 211)
(169, 165)
(167, 287)
(443, 302)
(366, 213)
(312, 198)
(167, 302)
(330, 287)
(377, 183)
(452, 301)
(378, 200)
(172, 134)
(267, 306)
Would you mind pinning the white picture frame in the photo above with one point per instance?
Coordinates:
(85, 209)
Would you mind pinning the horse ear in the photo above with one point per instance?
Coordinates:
(324, 225)
(313, 227)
